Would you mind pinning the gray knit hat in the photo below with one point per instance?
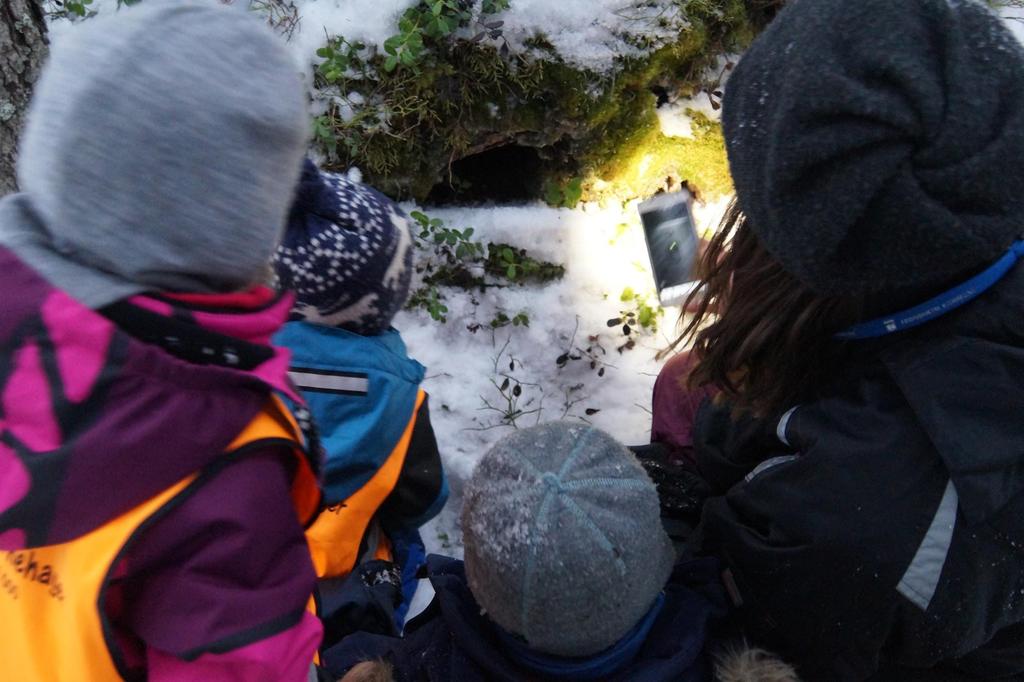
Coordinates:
(876, 145)
(161, 153)
(563, 536)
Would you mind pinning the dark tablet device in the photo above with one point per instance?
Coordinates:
(672, 244)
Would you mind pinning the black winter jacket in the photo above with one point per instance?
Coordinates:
(879, 529)
(453, 641)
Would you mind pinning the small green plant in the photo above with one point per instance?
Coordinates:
(436, 21)
(429, 298)
(406, 47)
(494, 6)
(70, 9)
(641, 311)
(509, 262)
(456, 260)
(339, 56)
(454, 244)
(79, 8)
(639, 316)
(325, 134)
(564, 196)
(500, 320)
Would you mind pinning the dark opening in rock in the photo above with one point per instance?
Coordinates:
(661, 93)
(505, 174)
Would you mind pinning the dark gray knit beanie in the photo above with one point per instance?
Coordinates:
(563, 536)
(876, 145)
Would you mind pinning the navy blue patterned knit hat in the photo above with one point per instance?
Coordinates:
(346, 254)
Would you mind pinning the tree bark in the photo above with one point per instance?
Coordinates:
(22, 51)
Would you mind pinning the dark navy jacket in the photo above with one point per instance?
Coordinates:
(452, 640)
(881, 523)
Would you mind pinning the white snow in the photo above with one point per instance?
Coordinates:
(590, 33)
(587, 33)
(368, 21)
(604, 253)
(1014, 18)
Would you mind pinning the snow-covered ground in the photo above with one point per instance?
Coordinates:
(1014, 16)
(588, 33)
(604, 254)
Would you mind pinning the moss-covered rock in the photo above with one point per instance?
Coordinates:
(412, 129)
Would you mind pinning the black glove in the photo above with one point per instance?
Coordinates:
(681, 490)
(363, 601)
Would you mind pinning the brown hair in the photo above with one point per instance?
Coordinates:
(759, 334)
(370, 671)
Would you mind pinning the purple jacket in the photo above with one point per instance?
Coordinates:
(125, 402)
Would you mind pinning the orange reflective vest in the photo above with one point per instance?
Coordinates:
(336, 538)
(51, 598)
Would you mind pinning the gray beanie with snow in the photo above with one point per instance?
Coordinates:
(161, 152)
(563, 536)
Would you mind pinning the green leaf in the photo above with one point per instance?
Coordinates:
(391, 63)
(511, 272)
(408, 58)
(419, 217)
(552, 194)
(507, 255)
(645, 316)
(627, 295)
(573, 193)
(325, 52)
(392, 44)
(467, 233)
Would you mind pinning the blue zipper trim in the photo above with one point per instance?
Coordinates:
(597, 667)
(940, 305)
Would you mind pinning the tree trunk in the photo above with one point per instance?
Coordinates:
(22, 50)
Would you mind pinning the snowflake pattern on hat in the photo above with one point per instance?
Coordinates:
(346, 254)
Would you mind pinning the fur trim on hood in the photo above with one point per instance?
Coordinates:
(752, 665)
(370, 671)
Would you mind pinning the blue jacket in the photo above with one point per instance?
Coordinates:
(452, 640)
(364, 394)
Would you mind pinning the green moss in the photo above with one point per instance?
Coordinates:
(643, 165)
(469, 97)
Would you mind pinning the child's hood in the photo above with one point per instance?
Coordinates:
(94, 421)
(182, 177)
